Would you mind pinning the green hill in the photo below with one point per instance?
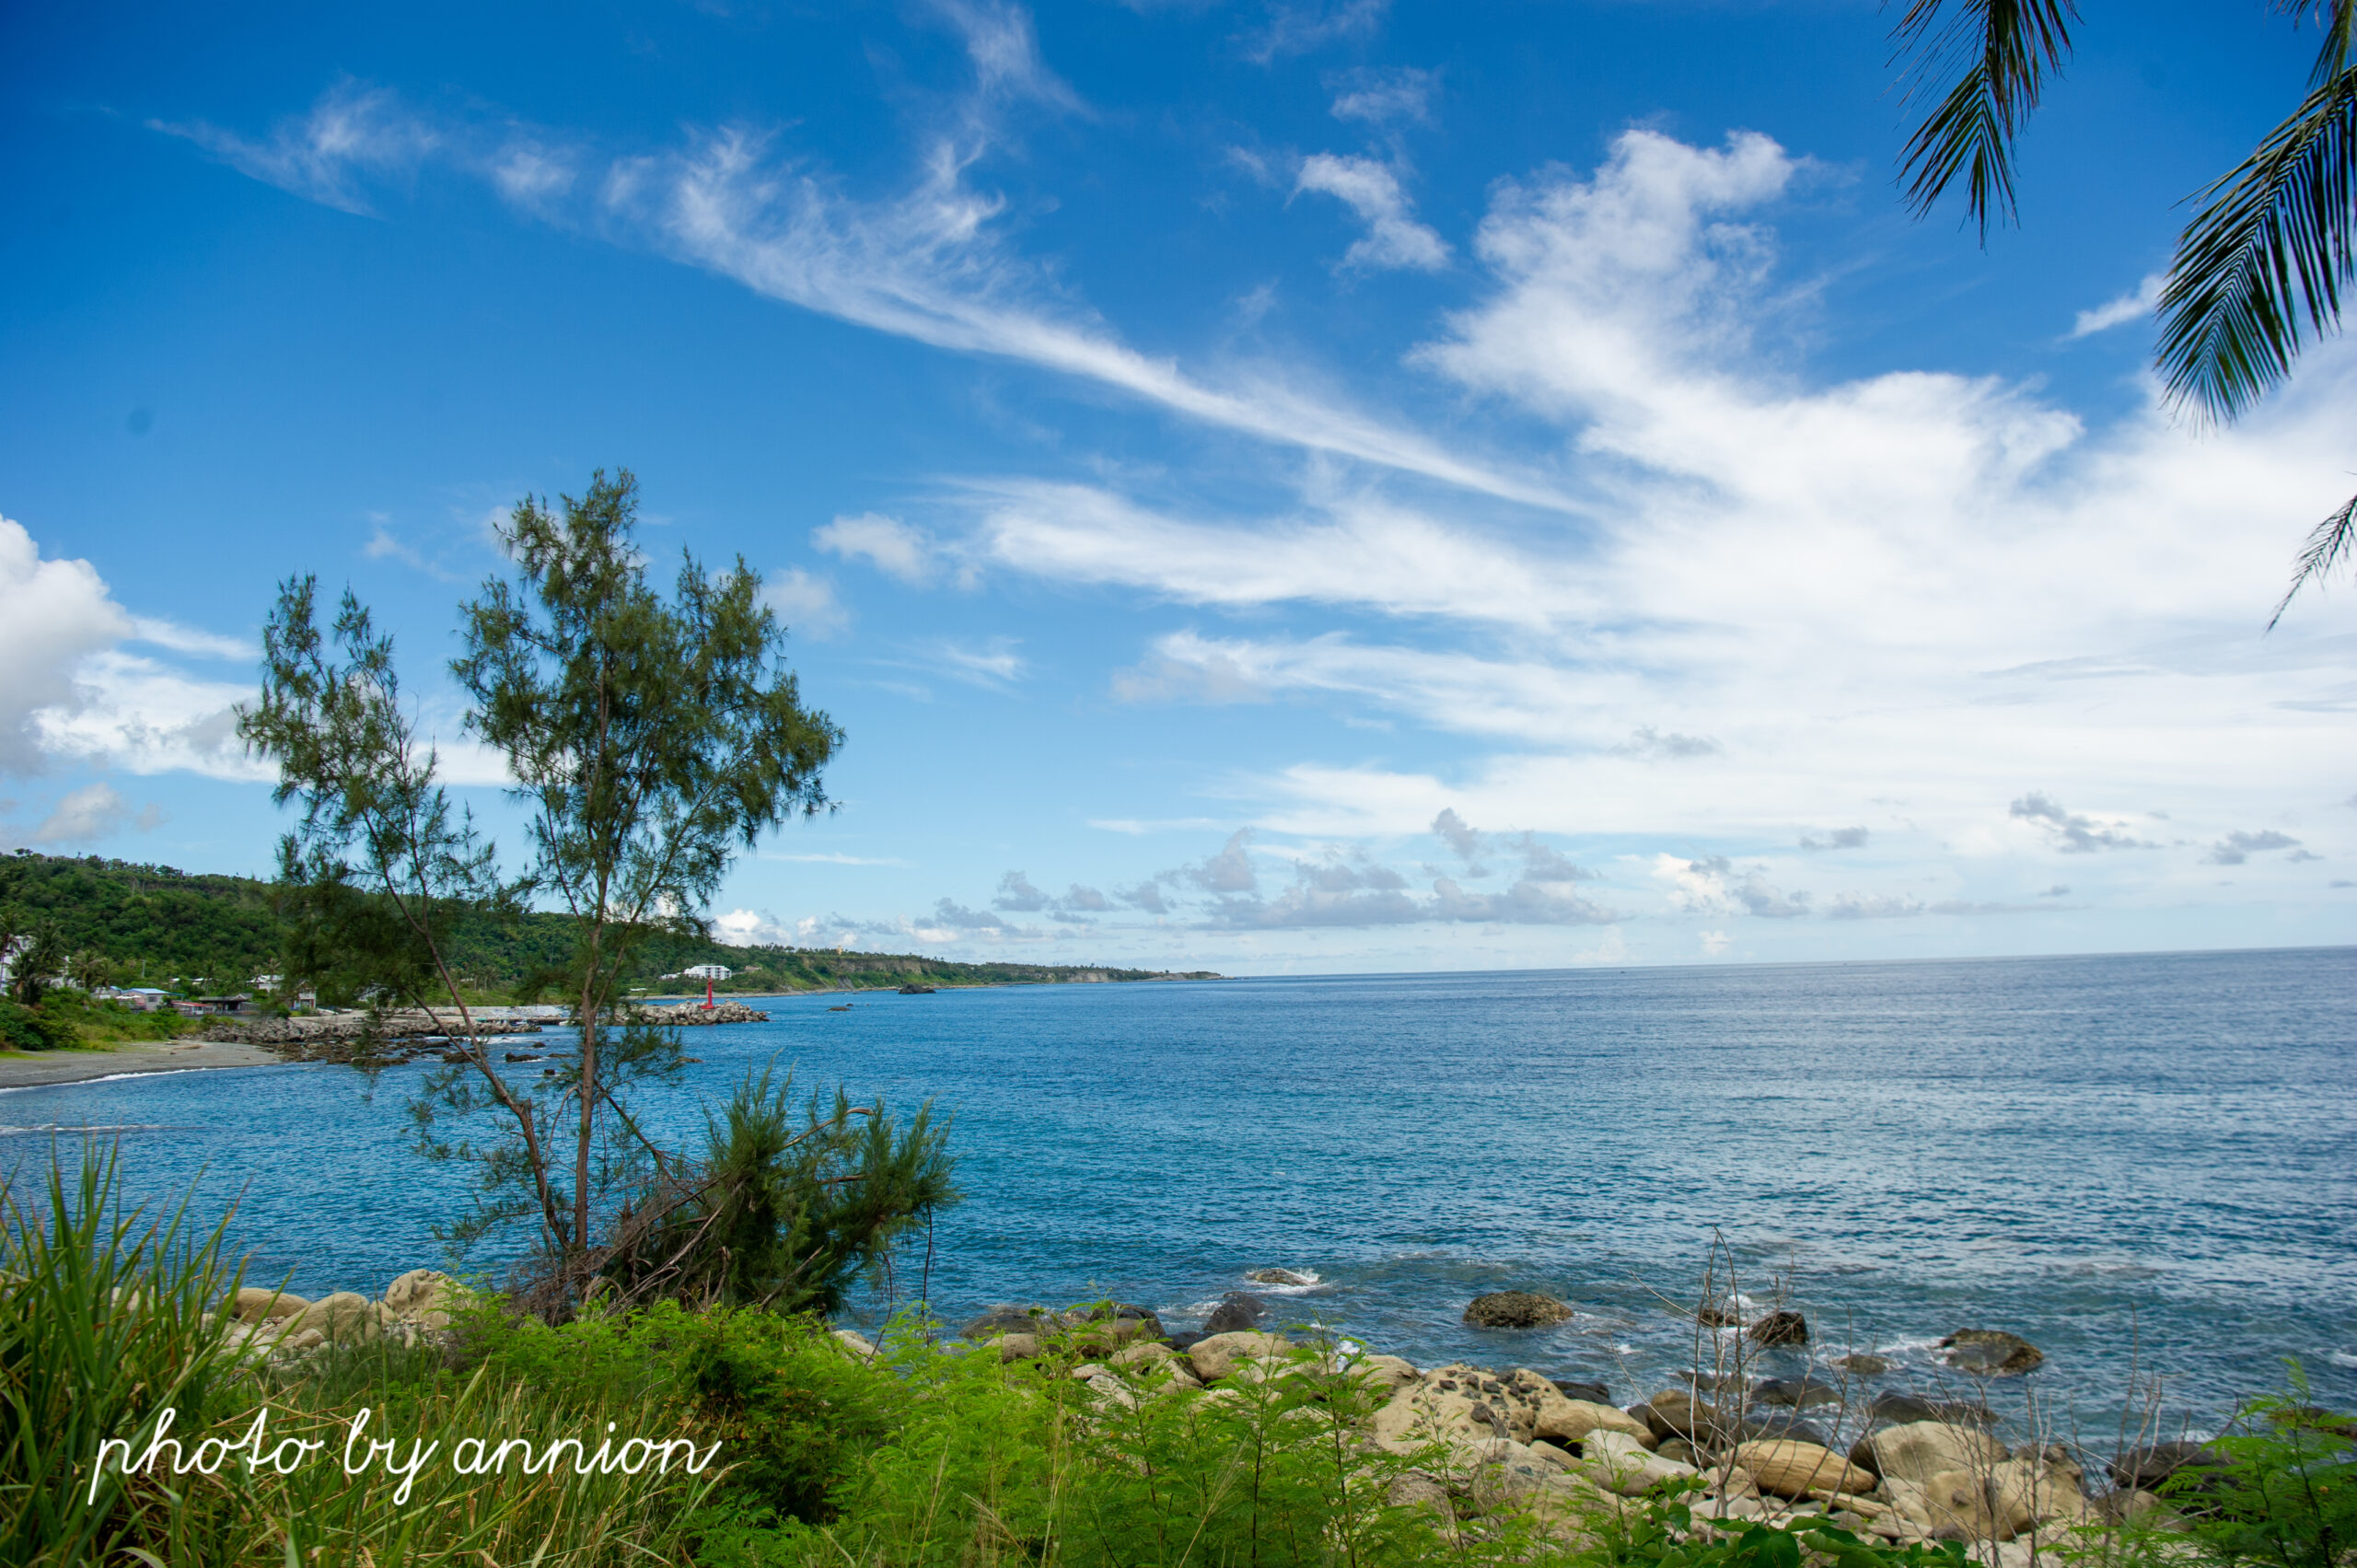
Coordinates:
(177, 929)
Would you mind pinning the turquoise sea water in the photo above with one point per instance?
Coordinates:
(2131, 1159)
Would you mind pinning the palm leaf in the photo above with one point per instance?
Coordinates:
(1993, 56)
(2334, 540)
(2273, 244)
(2338, 17)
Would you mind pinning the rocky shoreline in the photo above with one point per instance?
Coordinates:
(1486, 1439)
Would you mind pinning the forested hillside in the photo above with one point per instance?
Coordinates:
(162, 926)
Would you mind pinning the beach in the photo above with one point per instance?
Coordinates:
(30, 1070)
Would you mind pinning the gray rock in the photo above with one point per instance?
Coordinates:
(1797, 1392)
(1237, 1310)
(1515, 1310)
(1895, 1408)
(1781, 1329)
(2144, 1469)
(1594, 1393)
(1277, 1277)
(1862, 1364)
(1005, 1321)
(1991, 1352)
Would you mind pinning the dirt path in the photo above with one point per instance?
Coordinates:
(25, 1070)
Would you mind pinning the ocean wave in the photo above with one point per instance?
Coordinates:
(95, 1127)
(2343, 1358)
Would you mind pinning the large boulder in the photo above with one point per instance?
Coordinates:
(1675, 1413)
(1214, 1356)
(1618, 1463)
(1278, 1277)
(1991, 1352)
(1862, 1364)
(1237, 1310)
(1457, 1404)
(1781, 1329)
(1922, 1449)
(1100, 1328)
(1515, 1310)
(1005, 1321)
(1798, 1393)
(1791, 1468)
(252, 1305)
(1385, 1376)
(422, 1297)
(1594, 1393)
(1570, 1421)
(2144, 1469)
(346, 1315)
(1894, 1409)
(1968, 1505)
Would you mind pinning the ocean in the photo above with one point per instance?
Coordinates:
(2144, 1164)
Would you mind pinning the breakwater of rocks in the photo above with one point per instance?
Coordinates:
(340, 1036)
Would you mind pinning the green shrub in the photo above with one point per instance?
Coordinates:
(2285, 1496)
(34, 1029)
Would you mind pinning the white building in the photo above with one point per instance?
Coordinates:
(707, 971)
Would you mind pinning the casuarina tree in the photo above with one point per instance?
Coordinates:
(649, 737)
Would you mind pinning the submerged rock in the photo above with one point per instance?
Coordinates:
(1781, 1329)
(1862, 1364)
(1277, 1277)
(1515, 1310)
(1991, 1352)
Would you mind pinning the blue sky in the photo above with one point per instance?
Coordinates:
(1268, 486)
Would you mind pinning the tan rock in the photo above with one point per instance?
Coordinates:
(1216, 1357)
(1921, 1449)
(1966, 1506)
(1142, 1355)
(254, 1304)
(857, 1344)
(1386, 1375)
(1570, 1421)
(1016, 1347)
(1792, 1468)
(421, 1290)
(2046, 1492)
(310, 1339)
(346, 1315)
(1451, 1404)
(1618, 1463)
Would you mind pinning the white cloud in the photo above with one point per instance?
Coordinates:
(1360, 550)
(806, 603)
(144, 716)
(1004, 49)
(54, 615)
(1381, 97)
(91, 813)
(1394, 238)
(889, 544)
(1297, 27)
(993, 664)
(2118, 313)
(352, 132)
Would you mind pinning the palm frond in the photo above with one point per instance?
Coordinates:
(2339, 19)
(1993, 56)
(2273, 244)
(2334, 540)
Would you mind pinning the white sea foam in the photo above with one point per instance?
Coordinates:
(2344, 1358)
(77, 1127)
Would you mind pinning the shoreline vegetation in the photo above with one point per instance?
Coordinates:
(1086, 1436)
